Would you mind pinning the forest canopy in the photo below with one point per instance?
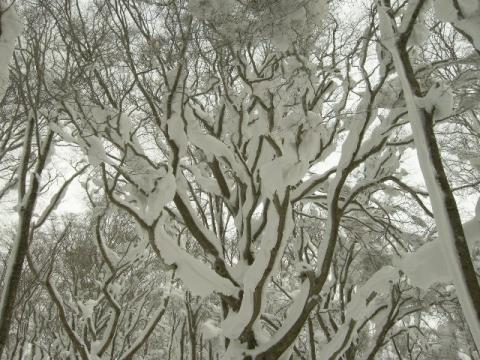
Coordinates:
(240, 179)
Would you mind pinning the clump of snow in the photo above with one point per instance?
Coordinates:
(210, 330)
(197, 276)
(176, 132)
(419, 32)
(215, 148)
(465, 18)
(309, 145)
(380, 283)
(124, 127)
(390, 92)
(474, 162)
(439, 100)
(294, 312)
(62, 131)
(163, 193)
(426, 266)
(96, 152)
(263, 264)
(236, 350)
(282, 172)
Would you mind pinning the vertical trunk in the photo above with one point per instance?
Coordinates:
(447, 218)
(27, 199)
(210, 350)
(182, 340)
(171, 341)
(311, 338)
(18, 252)
(191, 329)
(20, 352)
(193, 346)
(224, 316)
(145, 349)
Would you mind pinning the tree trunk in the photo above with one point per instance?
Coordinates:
(447, 218)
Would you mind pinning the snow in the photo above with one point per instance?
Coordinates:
(66, 136)
(124, 127)
(472, 27)
(294, 311)
(177, 134)
(388, 95)
(235, 351)
(445, 10)
(378, 134)
(213, 147)
(426, 266)
(463, 356)
(153, 189)
(309, 145)
(472, 229)
(197, 276)
(163, 193)
(96, 152)
(11, 29)
(236, 322)
(348, 331)
(439, 100)
(205, 182)
(289, 19)
(281, 172)
(332, 347)
(419, 32)
(468, 21)
(210, 235)
(210, 330)
(238, 271)
(380, 283)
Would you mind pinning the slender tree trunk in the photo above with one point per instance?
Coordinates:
(27, 199)
(19, 248)
(447, 218)
(182, 340)
(171, 341)
(311, 338)
(210, 350)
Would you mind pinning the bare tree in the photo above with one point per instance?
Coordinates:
(260, 150)
(26, 149)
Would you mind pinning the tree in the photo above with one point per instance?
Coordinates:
(422, 116)
(260, 150)
(26, 147)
